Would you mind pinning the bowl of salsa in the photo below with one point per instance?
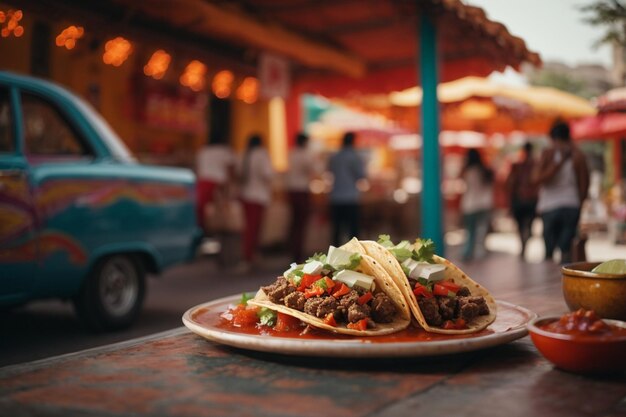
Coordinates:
(601, 292)
(581, 342)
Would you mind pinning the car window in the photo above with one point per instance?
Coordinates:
(46, 131)
(7, 142)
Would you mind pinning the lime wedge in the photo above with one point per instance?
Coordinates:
(614, 266)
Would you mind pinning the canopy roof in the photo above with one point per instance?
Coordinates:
(334, 46)
(544, 100)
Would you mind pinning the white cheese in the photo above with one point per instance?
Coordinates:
(312, 267)
(431, 272)
(337, 257)
(353, 278)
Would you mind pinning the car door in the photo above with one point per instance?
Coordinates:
(18, 219)
(64, 177)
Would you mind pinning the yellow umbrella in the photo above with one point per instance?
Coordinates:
(543, 100)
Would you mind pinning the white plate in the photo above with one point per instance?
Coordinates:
(510, 324)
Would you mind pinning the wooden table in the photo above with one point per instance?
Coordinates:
(180, 374)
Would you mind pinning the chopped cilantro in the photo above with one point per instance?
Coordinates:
(244, 299)
(296, 277)
(405, 270)
(266, 316)
(401, 254)
(424, 250)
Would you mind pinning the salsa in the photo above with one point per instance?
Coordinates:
(584, 323)
(244, 319)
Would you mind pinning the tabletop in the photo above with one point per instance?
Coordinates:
(178, 373)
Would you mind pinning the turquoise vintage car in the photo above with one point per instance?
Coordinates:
(80, 219)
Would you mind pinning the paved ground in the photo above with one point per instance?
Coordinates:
(50, 328)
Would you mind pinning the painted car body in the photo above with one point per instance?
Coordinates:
(60, 214)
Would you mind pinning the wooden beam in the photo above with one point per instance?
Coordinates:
(238, 27)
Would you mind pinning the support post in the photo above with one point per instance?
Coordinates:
(431, 191)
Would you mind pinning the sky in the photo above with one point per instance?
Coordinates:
(554, 28)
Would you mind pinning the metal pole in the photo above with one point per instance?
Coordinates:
(431, 177)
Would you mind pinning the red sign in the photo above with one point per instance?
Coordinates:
(274, 76)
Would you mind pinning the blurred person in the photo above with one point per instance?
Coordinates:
(563, 178)
(256, 175)
(301, 171)
(347, 169)
(476, 203)
(215, 163)
(523, 194)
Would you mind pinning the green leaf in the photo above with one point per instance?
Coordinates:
(244, 299)
(424, 250)
(318, 256)
(405, 270)
(267, 317)
(385, 240)
(401, 254)
(296, 276)
(321, 283)
(355, 261)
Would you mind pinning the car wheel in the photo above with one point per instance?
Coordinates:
(112, 295)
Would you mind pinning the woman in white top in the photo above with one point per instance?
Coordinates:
(256, 175)
(476, 203)
(563, 178)
(214, 166)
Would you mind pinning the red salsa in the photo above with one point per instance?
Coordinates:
(584, 323)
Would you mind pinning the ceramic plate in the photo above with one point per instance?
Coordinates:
(510, 324)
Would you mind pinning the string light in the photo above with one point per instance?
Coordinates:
(116, 51)
(157, 64)
(222, 83)
(194, 75)
(68, 37)
(248, 91)
(10, 23)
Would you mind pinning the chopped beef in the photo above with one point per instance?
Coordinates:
(345, 301)
(467, 311)
(327, 306)
(412, 282)
(483, 308)
(447, 307)
(320, 306)
(358, 312)
(278, 290)
(295, 300)
(430, 311)
(463, 292)
(383, 309)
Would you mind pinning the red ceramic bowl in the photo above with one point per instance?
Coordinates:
(588, 354)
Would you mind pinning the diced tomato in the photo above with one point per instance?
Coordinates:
(285, 322)
(307, 281)
(313, 292)
(365, 298)
(441, 290)
(245, 316)
(458, 324)
(330, 284)
(359, 325)
(450, 285)
(330, 320)
(342, 290)
(421, 290)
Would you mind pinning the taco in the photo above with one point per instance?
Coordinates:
(344, 291)
(442, 298)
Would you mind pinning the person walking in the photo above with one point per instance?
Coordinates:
(523, 193)
(347, 168)
(476, 204)
(301, 171)
(256, 174)
(563, 178)
(214, 170)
